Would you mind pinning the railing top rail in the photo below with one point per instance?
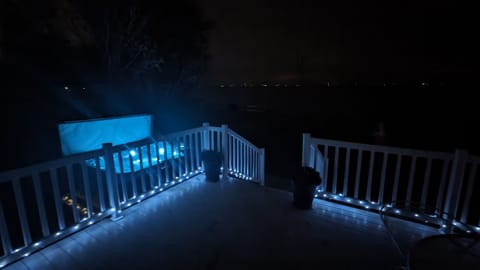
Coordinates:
(233, 133)
(385, 149)
(26, 171)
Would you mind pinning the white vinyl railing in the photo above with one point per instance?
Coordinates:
(443, 187)
(43, 203)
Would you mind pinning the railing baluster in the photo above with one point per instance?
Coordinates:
(326, 165)
(57, 199)
(190, 147)
(230, 153)
(370, 175)
(469, 190)
(426, 182)
(88, 192)
(73, 193)
(133, 179)
(250, 157)
(254, 166)
(357, 173)
(159, 172)
(346, 173)
(335, 170)
(172, 160)
(179, 159)
(142, 172)
(262, 167)
(198, 148)
(4, 234)
(22, 214)
(219, 145)
(441, 188)
(150, 168)
(410, 180)
(166, 161)
(212, 142)
(122, 178)
(382, 177)
(397, 178)
(40, 204)
(236, 155)
(244, 160)
(101, 194)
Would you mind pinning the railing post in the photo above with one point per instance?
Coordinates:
(262, 166)
(225, 151)
(454, 187)
(306, 149)
(205, 137)
(111, 181)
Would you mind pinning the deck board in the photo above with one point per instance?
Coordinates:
(229, 225)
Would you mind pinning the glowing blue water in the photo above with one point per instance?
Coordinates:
(135, 159)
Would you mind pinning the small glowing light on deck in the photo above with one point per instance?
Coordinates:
(139, 200)
(455, 223)
(191, 173)
(361, 202)
(16, 250)
(397, 211)
(142, 196)
(36, 244)
(477, 228)
(161, 189)
(151, 192)
(166, 184)
(316, 195)
(119, 211)
(417, 215)
(341, 195)
(66, 87)
(349, 200)
(133, 153)
(90, 222)
(129, 204)
(26, 254)
(468, 231)
(58, 233)
(2, 265)
(335, 197)
(161, 151)
(156, 187)
(325, 195)
(176, 177)
(444, 226)
(76, 227)
(175, 153)
(99, 214)
(173, 182)
(367, 206)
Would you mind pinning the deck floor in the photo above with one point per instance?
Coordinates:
(232, 224)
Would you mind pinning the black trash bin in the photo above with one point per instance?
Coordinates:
(305, 181)
(212, 161)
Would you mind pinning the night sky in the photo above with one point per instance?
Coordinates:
(45, 47)
(340, 40)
